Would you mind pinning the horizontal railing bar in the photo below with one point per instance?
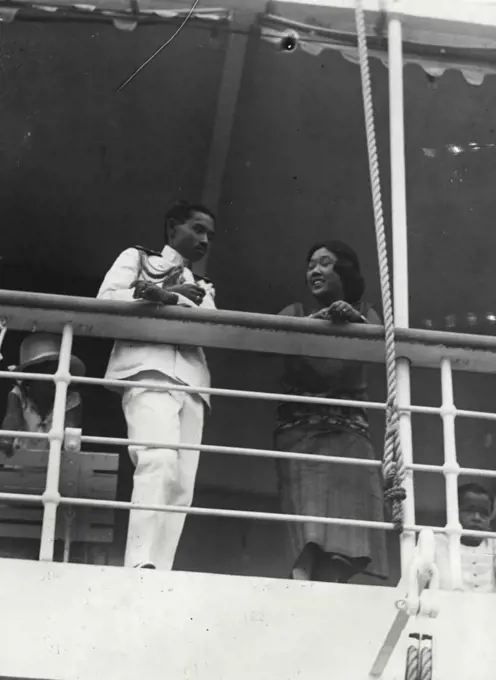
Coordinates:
(243, 451)
(246, 394)
(243, 394)
(12, 434)
(213, 391)
(21, 497)
(232, 450)
(261, 333)
(482, 415)
(478, 472)
(243, 514)
(211, 512)
(216, 391)
(269, 453)
(256, 453)
(466, 532)
(19, 375)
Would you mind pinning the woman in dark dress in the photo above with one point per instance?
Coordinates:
(330, 552)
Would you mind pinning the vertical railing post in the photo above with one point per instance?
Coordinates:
(400, 267)
(451, 471)
(51, 496)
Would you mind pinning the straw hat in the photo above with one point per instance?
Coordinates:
(40, 347)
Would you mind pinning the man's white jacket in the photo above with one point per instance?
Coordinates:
(183, 364)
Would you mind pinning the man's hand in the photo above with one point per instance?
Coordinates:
(152, 293)
(191, 291)
(339, 312)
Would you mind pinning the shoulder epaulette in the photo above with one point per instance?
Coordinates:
(148, 251)
(202, 278)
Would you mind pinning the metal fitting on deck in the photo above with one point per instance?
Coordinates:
(429, 606)
(453, 529)
(56, 435)
(51, 497)
(62, 377)
(451, 468)
(72, 439)
(450, 410)
(423, 572)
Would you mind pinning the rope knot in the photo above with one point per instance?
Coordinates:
(391, 407)
(395, 494)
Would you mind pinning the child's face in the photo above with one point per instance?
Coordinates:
(475, 512)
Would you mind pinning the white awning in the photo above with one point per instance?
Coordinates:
(437, 35)
(125, 14)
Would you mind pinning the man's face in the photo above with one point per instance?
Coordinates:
(192, 238)
(475, 512)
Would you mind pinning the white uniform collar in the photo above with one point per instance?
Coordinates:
(171, 256)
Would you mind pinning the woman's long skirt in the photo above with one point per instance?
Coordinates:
(333, 490)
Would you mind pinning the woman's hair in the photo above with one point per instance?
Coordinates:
(347, 268)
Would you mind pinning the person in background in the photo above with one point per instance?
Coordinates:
(330, 552)
(163, 476)
(30, 402)
(476, 508)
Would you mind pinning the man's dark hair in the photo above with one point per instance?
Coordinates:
(464, 489)
(181, 211)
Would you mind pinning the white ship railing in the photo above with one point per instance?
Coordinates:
(49, 313)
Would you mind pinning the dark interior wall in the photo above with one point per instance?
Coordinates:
(86, 171)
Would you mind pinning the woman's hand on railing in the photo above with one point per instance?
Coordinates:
(339, 312)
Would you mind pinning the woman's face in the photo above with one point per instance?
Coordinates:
(322, 280)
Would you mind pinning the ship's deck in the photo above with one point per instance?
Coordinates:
(73, 622)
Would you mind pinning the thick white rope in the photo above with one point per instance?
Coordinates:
(425, 672)
(418, 661)
(412, 663)
(393, 468)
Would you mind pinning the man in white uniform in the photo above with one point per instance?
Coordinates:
(163, 476)
(477, 554)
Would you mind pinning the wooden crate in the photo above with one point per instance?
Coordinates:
(82, 475)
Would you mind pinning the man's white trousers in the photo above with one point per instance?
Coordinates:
(163, 476)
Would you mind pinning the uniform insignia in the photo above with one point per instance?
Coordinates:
(148, 251)
(202, 278)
